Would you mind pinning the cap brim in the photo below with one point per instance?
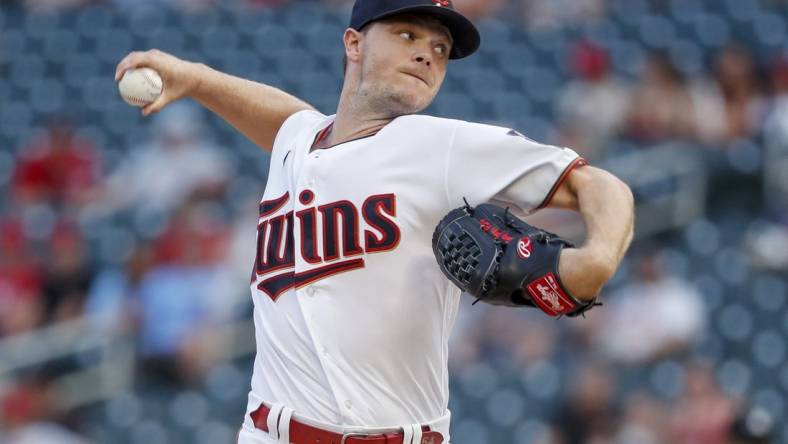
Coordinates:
(465, 36)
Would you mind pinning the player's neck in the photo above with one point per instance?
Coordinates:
(354, 122)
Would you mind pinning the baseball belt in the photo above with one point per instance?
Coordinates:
(301, 433)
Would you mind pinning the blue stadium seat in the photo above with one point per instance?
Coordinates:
(195, 24)
(731, 266)
(505, 407)
(769, 348)
(711, 30)
(541, 84)
(27, 70)
(92, 21)
(656, 31)
(741, 9)
(685, 10)
(149, 431)
(735, 322)
(667, 379)
(12, 45)
(470, 431)
(112, 45)
(38, 26)
(146, 20)
(542, 381)
(123, 411)
(478, 380)
(167, 39)
(47, 96)
(483, 81)
(509, 105)
(225, 382)
(78, 67)
(188, 409)
(735, 376)
(248, 22)
(769, 293)
(687, 56)
(16, 118)
(770, 29)
(711, 290)
(532, 430)
(702, 237)
(211, 432)
(771, 400)
(216, 41)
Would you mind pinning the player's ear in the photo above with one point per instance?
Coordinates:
(352, 40)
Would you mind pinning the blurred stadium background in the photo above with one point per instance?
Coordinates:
(125, 243)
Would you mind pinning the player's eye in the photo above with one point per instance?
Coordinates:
(406, 35)
(441, 49)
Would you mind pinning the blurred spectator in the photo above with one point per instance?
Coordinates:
(27, 413)
(177, 296)
(67, 275)
(735, 73)
(483, 333)
(110, 306)
(478, 10)
(587, 415)
(56, 5)
(20, 281)
(654, 316)
(555, 13)
(756, 426)
(188, 6)
(703, 414)
(643, 422)
(665, 109)
(776, 125)
(177, 162)
(593, 106)
(57, 168)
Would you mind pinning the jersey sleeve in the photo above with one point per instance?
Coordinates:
(491, 163)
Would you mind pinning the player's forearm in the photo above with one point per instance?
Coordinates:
(607, 207)
(254, 109)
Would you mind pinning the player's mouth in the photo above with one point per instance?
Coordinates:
(416, 76)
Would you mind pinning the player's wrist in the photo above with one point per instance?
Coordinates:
(196, 73)
(583, 272)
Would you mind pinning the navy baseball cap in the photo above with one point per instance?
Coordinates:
(463, 32)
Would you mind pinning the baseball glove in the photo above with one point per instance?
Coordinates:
(502, 260)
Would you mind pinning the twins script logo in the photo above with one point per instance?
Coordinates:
(329, 239)
(446, 3)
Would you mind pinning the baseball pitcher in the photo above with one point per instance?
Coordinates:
(376, 218)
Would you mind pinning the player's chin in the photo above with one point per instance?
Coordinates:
(416, 99)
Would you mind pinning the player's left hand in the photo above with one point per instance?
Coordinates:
(502, 260)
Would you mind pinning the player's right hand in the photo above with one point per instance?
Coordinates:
(180, 77)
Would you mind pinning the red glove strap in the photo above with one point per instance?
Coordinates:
(549, 296)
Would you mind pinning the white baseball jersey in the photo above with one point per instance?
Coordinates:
(352, 313)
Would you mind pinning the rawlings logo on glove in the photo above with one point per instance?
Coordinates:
(502, 260)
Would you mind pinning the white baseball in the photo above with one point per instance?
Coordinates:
(141, 86)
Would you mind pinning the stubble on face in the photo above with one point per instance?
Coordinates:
(389, 97)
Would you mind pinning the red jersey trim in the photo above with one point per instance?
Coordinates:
(575, 164)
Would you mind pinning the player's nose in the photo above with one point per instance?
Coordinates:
(423, 59)
(423, 55)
